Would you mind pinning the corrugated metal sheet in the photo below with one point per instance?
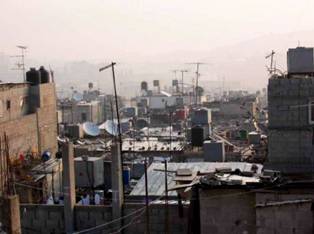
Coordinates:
(156, 175)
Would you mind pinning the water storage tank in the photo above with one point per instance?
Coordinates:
(156, 83)
(44, 75)
(126, 175)
(89, 171)
(254, 138)
(144, 86)
(214, 151)
(33, 76)
(197, 136)
(243, 134)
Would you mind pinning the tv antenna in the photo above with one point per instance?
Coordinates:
(197, 77)
(175, 73)
(20, 65)
(271, 56)
(182, 81)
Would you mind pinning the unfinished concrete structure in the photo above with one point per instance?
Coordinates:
(291, 119)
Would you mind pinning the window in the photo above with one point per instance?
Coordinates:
(84, 117)
(8, 104)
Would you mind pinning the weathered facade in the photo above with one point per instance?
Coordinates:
(291, 137)
(244, 210)
(50, 219)
(28, 117)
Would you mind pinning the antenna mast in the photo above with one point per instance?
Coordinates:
(182, 82)
(271, 56)
(197, 77)
(21, 64)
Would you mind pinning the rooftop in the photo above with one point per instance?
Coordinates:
(156, 175)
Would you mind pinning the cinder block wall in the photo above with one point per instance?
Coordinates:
(227, 211)
(287, 218)
(290, 138)
(50, 219)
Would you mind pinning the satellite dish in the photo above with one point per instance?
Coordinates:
(77, 97)
(91, 129)
(110, 126)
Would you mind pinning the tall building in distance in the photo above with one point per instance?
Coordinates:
(291, 115)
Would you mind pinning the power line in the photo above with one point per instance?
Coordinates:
(129, 224)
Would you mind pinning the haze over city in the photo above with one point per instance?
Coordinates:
(151, 38)
(146, 116)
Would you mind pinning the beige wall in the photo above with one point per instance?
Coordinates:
(30, 132)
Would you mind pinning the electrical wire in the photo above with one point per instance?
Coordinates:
(129, 224)
(115, 220)
(108, 223)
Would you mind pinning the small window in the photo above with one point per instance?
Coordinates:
(84, 117)
(8, 104)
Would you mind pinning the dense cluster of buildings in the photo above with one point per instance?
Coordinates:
(165, 162)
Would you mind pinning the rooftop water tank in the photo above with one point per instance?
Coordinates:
(144, 86)
(33, 76)
(197, 136)
(44, 75)
(214, 151)
(126, 175)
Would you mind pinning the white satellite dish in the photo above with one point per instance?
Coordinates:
(111, 127)
(77, 97)
(91, 129)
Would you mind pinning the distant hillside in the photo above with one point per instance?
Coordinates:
(241, 65)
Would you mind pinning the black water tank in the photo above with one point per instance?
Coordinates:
(144, 86)
(44, 75)
(197, 135)
(33, 76)
(141, 123)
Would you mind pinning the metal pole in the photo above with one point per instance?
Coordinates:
(116, 100)
(182, 82)
(23, 64)
(146, 197)
(197, 75)
(166, 198)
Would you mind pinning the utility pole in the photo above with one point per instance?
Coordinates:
(117, 160)
(146, 198)
(166, 199)
(115, 95)
(21, 64)
(182, 81)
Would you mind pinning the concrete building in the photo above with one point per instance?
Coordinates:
(28, 116)
(291, 125)
(238, 209)
(88, 112)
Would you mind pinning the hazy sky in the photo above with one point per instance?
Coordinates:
(127, 29)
